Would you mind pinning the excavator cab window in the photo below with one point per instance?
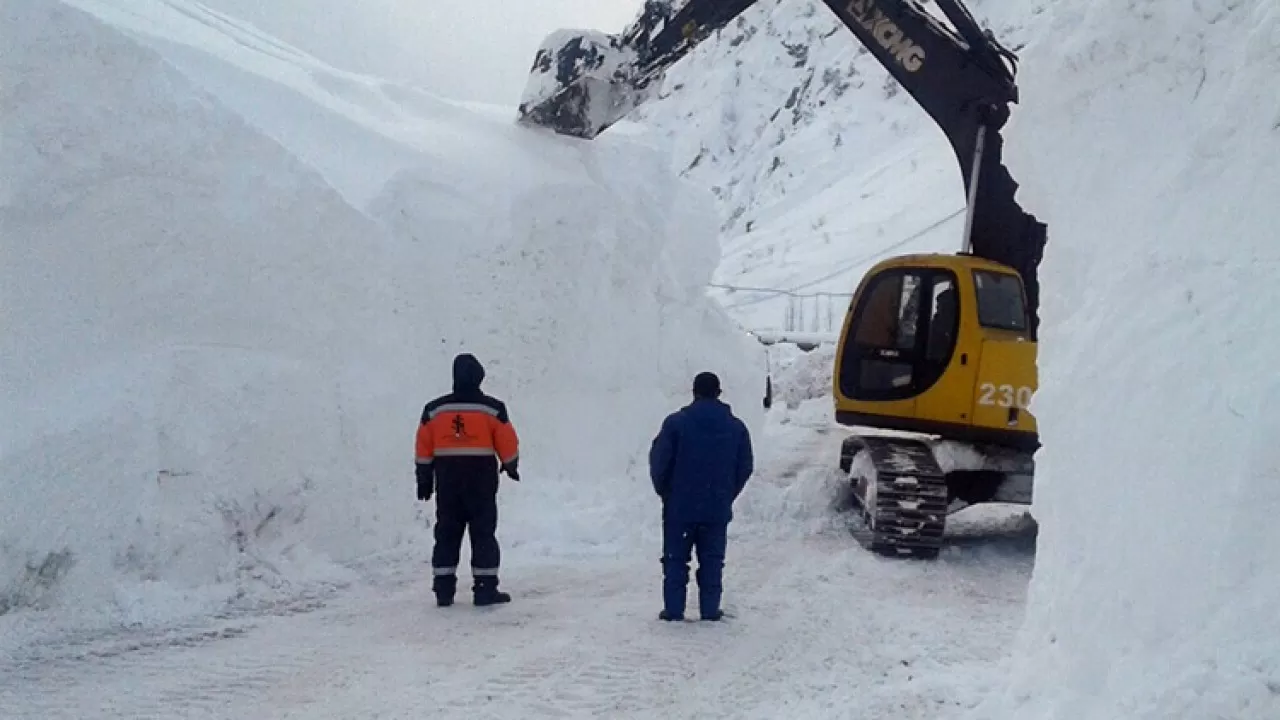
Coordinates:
(902, 335)
(1000, 301)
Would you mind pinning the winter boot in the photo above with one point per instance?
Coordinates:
(444, 587)
(713, 615)
(486, 592)
(664, 615)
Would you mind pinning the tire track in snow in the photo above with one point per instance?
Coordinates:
(608, 659)
(819, 625)
(182, 672)
(629, 664)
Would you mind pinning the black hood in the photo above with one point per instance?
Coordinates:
(468, 373)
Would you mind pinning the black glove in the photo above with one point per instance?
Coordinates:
(425, 485)
(510, 469)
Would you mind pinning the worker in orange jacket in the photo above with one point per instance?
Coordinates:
(464, 439)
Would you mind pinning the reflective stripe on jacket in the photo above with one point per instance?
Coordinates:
(467, 425)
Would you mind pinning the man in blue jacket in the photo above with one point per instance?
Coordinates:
(699, 463)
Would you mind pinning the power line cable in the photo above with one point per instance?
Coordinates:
(844, 267)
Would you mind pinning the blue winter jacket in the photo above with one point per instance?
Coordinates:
(700, 461)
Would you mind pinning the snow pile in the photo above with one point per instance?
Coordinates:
(182, 293)
(1151, 141)
(215, 360)
(800, 376)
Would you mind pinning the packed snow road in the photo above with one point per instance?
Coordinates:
(819, 628)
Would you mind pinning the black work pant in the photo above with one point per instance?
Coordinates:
(466, 505)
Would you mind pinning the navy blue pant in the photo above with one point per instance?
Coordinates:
(679, 541)
(466, 506)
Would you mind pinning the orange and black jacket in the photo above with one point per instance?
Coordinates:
(467, 432)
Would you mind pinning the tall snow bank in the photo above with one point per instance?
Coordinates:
(180, 295)
(585, 295)
(213, 364)
(1149, 137)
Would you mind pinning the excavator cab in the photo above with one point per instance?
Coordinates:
(935, 370)
(939, 344)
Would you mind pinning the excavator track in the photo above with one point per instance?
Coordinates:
(901, 494)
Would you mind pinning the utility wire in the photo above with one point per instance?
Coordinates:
(748, 288)
(842, 269)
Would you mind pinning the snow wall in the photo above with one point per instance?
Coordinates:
(214, 357)
(1148, 137)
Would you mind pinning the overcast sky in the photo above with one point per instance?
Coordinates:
(464, 49)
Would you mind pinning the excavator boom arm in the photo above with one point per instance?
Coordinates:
(583, 82)
(964, 79)
(666, 31)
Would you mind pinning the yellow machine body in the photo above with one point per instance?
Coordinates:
(939, 344)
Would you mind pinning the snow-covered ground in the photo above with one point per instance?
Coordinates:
(822, 630)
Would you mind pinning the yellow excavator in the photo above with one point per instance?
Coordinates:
(936, 363)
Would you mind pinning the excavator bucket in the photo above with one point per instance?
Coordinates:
(581, 82)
